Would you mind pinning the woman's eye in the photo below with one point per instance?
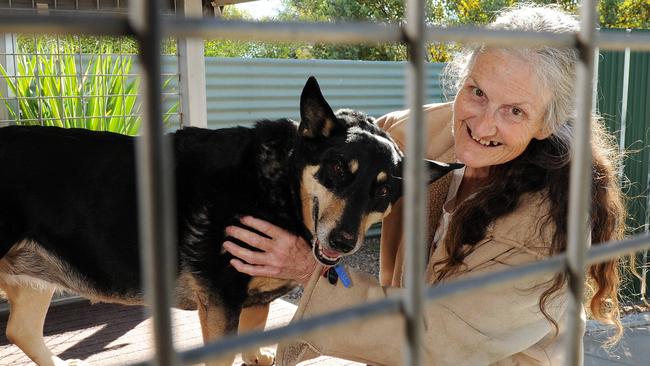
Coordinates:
(517, 111)
(477, 92)
(382, 192)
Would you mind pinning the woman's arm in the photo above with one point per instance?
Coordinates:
(476, 328)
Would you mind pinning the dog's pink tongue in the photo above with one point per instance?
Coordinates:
(331, 253)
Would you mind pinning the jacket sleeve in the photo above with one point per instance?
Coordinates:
(437, 127)
(476, 328)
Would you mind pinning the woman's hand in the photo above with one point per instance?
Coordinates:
(285, 255)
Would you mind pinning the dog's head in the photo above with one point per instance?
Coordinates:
(350, 174)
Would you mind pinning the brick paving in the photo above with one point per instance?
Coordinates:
(111, 334)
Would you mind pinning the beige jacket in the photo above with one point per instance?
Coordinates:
(496, 326)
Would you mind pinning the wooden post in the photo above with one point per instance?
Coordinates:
(191, 68)
(7, 61)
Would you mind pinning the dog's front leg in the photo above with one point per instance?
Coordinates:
(215, 323)
(28, 307)
(251, 319)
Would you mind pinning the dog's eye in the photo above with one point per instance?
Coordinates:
(338, 169)
(382, 192)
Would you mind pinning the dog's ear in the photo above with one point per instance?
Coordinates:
(316, 116)
(436, 169)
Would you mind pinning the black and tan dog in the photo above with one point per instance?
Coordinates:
(68, 214)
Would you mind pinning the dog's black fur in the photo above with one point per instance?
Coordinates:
(72, 194)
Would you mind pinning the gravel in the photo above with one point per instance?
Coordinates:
(365, 260)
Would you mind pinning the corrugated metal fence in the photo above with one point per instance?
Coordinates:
(241, 91)
(628, 117)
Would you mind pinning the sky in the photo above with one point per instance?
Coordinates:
(261, 8)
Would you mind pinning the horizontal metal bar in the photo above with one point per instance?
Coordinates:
(555, 264)
(620, 40)
(496, 37)
(350, 33)
(105, 25)
(235, 344)
(606, 251)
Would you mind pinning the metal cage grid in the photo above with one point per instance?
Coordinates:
(155, 183)
(90, 82)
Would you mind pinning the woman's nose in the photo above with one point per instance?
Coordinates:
(486, 123)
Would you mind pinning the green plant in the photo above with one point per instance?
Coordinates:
(52, 90)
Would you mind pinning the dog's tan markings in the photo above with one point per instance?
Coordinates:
(266, 284)
(307, 133)
(213, 325)
(330, 208)
(388, 210)
(251, 319)
(382, 177)
(27, 315)
(328, 125)
(307, 185)
(354, 166)
(28, 264)
(185, 290)
(370, 219)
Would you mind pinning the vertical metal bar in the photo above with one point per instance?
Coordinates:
(14, 42)
(155, 186)
(624, 98)
(415, 192)
(580, 183)
(39, 92)
(81, 78)
(191, 69)
(123, 83)
(63, 91)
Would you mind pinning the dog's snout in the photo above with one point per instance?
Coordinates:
(343, 241)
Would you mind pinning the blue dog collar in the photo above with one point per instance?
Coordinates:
(345, 280)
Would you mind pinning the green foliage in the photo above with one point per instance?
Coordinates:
(634, 14)
(52, 90)
(613, 14)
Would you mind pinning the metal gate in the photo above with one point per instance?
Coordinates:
(155, 185)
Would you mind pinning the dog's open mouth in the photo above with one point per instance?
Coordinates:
(325, 256)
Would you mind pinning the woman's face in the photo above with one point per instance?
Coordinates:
(498, 110)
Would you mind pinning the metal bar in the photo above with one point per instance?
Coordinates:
(580, 184)
(620, 40)
(235, 344)
(79, 55)
(346, 33)
(610, 250)
(624, 102)
(414, 185)
(349, 32)
(600, 253)
(65, 24)
(39, 94)
(156, 196)
(497, 37)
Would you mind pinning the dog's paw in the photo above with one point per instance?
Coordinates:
(260, 357)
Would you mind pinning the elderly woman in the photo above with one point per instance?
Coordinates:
(511, 124)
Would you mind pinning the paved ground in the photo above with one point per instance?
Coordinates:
(634, 348)
(110, 334)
